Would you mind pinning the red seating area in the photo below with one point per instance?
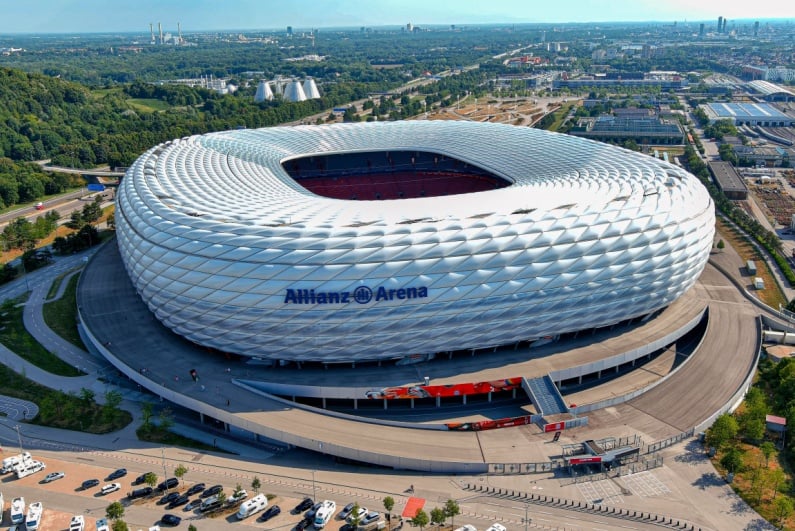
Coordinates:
(399, 185)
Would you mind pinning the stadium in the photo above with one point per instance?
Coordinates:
(376, 241)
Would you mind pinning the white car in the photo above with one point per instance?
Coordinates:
(358, 516)
(78, 523)
(52, 476)
(233, 499)
(110, 487)
(496, 527)
(102, 525)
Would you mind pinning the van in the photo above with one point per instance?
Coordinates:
(324, 513)
(210, 503)
(252, 506)
(31, 467)
(10, 462)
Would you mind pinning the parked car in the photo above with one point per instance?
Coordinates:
(181, 500)
(232, 500)
(143, 492)
(212, 491)
(110, 487)
(300, 526)
(269, 513)
(89, 483)
(310, 514)
(360, 514)
(102, 525)
(346, 511)
(116, 474)
(168, 498)
(370, 518)
(52, 476)
(195, 504)
(140, 479)
(305, 504)
(195, 489)
(169, 483)
(170, 519)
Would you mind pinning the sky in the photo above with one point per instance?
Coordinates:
(92, 16)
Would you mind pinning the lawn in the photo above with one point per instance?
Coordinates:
(14, 336)
(61, 315)
(149, 104)
(156, 434)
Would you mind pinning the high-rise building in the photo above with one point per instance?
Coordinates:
(289, 31)
(756, 28)
(701, 30)
(720, 24)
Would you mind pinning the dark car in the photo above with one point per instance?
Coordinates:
(346, 511)
(170, 483)
(198, 487)
(305, 504)
(310, 514)
(270, 512)
(140, 493)
(89, 483)
(140, 479)
(168, 498)
(195, 504)
(182, 500)
(348, 527)
(170, 519)
(215, 489)
(116, 474)
(300, 526)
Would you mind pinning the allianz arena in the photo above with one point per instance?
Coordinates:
(384, 240)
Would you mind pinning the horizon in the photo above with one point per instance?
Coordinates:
(42, 17)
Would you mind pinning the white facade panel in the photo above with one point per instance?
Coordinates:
(213, 230)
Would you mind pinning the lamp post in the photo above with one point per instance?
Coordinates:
(19, 437)
(163, 459)
(526, 519)
(314, 491)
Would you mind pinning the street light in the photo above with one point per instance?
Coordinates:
(526, 519)
(314, 492)
(19, 437)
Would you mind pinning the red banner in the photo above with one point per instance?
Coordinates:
(444, 391)
(489, 424)
(585, 460)
(555, 426)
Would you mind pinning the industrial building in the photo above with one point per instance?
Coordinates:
(762, 114)
(728, 180)
(377, 241)
(771, 91)
(646, 130)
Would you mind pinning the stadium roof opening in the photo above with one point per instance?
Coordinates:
(389, 175)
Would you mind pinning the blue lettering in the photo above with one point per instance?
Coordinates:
(290, 297)
(309, 296)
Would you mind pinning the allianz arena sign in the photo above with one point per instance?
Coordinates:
(361, 295)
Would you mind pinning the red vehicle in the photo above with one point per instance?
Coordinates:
(39, 206)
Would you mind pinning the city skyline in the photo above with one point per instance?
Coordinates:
(91, 16)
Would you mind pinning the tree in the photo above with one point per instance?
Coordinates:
(722, 431)
(256, 484)
(166, 418)
(452, 509)
(777, 476)
(389, 504)
(768, 449)
(783, 508)
(732, 460)
(420, 519)
(721, 245)
(146, 414)
(192, 528)
(120, 525)
(238, 489)
(150, 479)
(180, 471)
(114, 511)
(437, 516)
(354, 518)
(111, 406)
(86, 396)
(75, 220)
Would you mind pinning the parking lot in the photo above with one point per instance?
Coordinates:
(140, 513)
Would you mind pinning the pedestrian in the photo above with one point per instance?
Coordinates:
(227, 401)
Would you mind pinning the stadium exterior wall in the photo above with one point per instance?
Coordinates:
(230, 252)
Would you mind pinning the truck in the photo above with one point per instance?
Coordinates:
(324, 513)
(10, 462)
(252, 506)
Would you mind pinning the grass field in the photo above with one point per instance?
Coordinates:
(61, 315)
(14, 336)
(149, 104)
